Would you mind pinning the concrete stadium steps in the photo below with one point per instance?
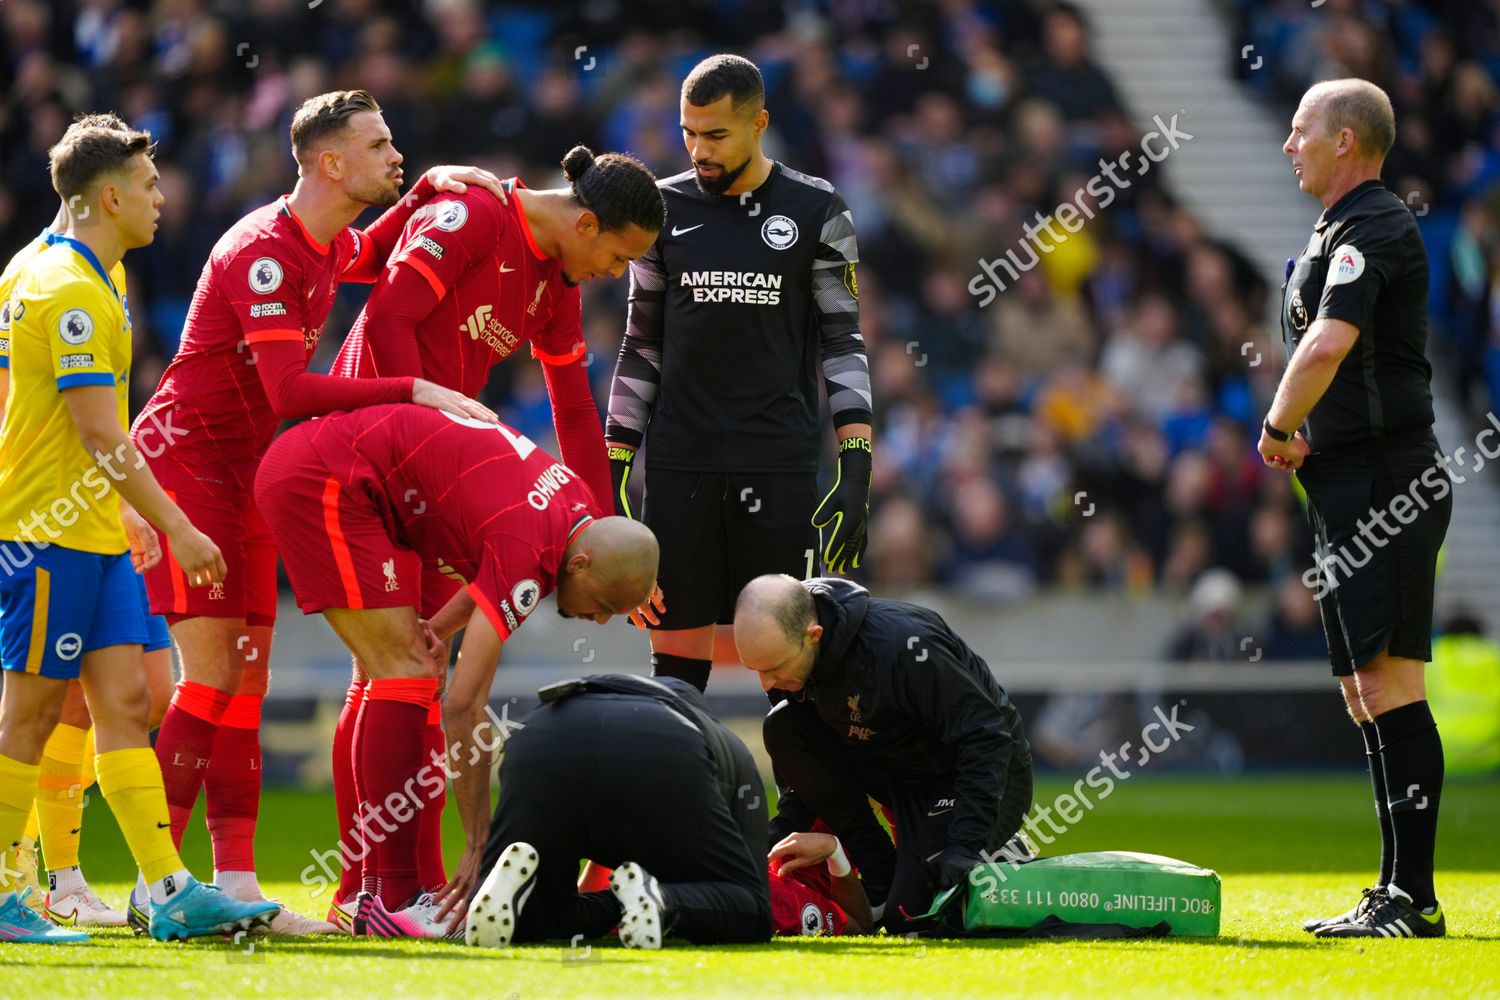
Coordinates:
(1171, 56)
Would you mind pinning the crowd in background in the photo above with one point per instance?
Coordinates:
(1092, 428)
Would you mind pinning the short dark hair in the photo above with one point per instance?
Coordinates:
(87, 152)
(327, 114)
(100, 119)
(619, 189)
(723, 74)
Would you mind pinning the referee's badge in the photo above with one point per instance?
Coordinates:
(779, 232)
(1346, 265)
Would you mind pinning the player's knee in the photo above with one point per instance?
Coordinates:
(24, 735)
(255, 680)
(158, 709)
(127, 709)
(210, 671)
(212, 650)
(409, 662)
(411, 667)
(159, 686)
(75, 708)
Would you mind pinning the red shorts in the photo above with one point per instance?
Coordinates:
(433, 588)
(336, 549)
(236, 527)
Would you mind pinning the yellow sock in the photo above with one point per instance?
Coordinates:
(59, 795)
(17, 791)
(89, 777)
(33, 829)
(132, 785)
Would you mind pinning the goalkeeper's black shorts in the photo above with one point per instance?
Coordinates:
(720, 530)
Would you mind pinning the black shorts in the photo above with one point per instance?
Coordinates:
(720, 530)
(1374, 575)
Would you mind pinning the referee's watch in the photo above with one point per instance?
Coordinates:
(1273, 433)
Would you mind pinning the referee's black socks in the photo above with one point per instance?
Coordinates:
(1413, 756)
(695, 672)
(1382, 801)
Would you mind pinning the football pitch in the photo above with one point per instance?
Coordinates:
(1286, 847)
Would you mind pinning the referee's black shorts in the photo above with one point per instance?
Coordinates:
(720, 530)
(1375, 576)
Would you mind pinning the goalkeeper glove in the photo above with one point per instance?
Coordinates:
(619, 474)
(845, 511)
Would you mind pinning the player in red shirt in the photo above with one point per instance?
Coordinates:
(345, 497)
(471, 282)
(814, 890)
(254, 322)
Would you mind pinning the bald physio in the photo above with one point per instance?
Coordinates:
(881, 699)
(776, 630)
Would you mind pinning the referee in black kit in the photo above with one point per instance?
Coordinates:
(748, 291)
(1353, 417)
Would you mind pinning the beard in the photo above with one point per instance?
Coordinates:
(718, 185)
(382, 193)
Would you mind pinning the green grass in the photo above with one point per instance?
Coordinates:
(1286, 847)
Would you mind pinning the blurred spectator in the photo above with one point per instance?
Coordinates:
(1295, 631)
(1147, 361)
(899, 552)
(1213, 633)
(1068, 76)
(989, 555)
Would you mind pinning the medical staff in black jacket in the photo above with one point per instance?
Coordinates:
(881, 699)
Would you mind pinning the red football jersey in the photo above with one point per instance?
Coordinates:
(802, 903)
(267, 282)
(481, 503)
(495, 291)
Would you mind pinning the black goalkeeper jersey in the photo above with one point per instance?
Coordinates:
(732, 312)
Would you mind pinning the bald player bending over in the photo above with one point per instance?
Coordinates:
(345, 496)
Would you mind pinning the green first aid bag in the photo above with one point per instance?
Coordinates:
(1121, 888)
